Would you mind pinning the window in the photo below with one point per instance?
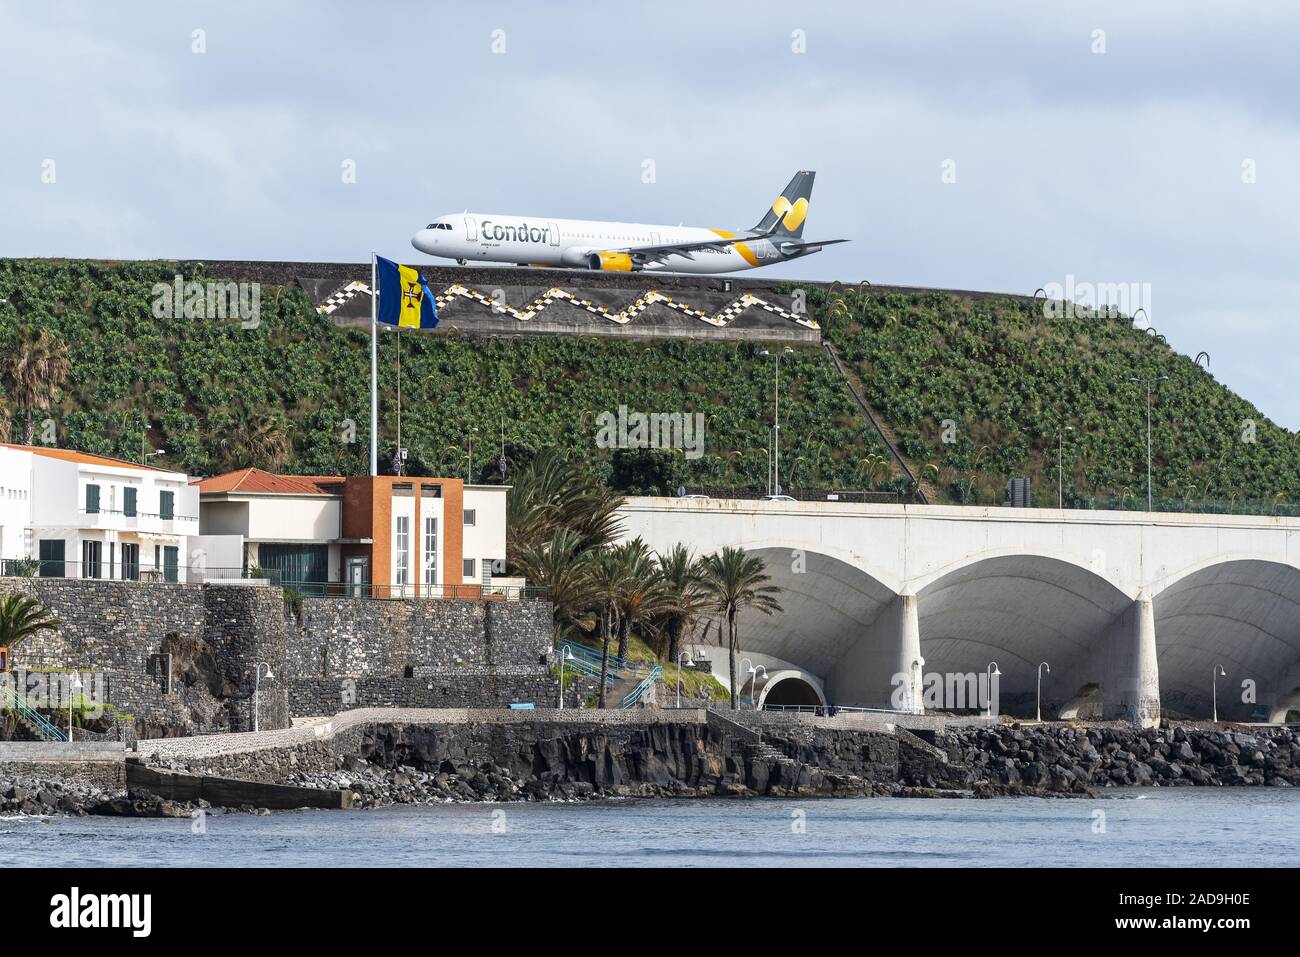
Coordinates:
(430, 550)
(92, 499)
(51, 552)
(430, 491)
(402, 549)
(468, 570)
(171, 563)
(90, 552)
(128, 501)
(130, 561)
(166, 505)
(471, 516)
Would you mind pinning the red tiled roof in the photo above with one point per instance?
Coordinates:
(258, 481)
(84, 458)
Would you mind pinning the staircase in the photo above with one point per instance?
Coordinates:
(28, 717)
(925, 491)
(634, 697)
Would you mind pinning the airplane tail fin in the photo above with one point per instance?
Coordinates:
(790, 209)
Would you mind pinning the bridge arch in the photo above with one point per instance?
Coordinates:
(827, 604)
(1019, 609)
(1243, 614)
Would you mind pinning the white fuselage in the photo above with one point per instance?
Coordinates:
(526, 240)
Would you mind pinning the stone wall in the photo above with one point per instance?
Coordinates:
(356, 638)
(180, 658)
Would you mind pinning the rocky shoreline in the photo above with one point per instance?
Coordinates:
(422, 767)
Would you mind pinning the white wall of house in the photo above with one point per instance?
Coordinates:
(485, 540)
(293, 518)
(15, 502)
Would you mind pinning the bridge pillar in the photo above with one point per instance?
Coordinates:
(1131, 688)
(878, 670)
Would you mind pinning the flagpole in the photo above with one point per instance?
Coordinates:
(398, 470)
(374, 369)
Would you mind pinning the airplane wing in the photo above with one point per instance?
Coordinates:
(647, 254)
(658, 253)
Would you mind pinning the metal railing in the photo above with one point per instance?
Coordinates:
(11, 700)
(117, 570)
(476, 592)
(751, 492)
(633, 697)
(586, 660)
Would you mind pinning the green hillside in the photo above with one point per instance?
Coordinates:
(216, 396)
(1008, 378)
(280, 396)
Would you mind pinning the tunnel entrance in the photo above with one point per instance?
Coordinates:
(790, 691)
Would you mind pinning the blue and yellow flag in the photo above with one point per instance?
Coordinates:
(404, 297)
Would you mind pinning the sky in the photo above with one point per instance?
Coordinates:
(1001, 146)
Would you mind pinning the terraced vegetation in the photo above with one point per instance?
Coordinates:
(280, 396)
(1008, 379)
(288, 394)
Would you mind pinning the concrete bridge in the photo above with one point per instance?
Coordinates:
(1132, 611)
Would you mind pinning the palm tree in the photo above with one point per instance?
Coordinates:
(734, 580)
(6, 421)
(553, 493)
(608, 581)
(21, 617)
(256, 438)
(564, 571)
(679, 574)
(641, 598)
(34, 372)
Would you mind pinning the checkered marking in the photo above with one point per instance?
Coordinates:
(623, 317)
(342, 296)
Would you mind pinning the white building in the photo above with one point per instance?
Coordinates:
(81, 515)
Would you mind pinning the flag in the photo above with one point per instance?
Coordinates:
(404, 297)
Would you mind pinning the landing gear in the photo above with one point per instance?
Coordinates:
(462, 262)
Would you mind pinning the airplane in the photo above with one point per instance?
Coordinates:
(626, 247)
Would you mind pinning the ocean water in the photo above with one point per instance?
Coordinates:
(1252, 827)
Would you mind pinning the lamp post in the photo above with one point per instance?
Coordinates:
(993, 671)
(689, 661)
(753, 687)
(776, 421)
(1150, 383)
(1214, 689)
(1041, 666)
(257, 687)
(74, 685)
(917, 665)
(1060, 465)
(742, 671)
(565, 655)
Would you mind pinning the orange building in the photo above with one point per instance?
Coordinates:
(386, 535)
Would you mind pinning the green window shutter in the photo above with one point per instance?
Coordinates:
(92, 499)
(128, 502)
(165, 505)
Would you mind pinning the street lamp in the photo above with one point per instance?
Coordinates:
(1150, 382)
(565, 655)
(1060, 465)
(1214, 693)
(742, 669)
(776, 420)
(689, 661)
(993, 671)
(1041, 666)
(73, 686)
(753, 687)
(149, 455)
(257, 687)
(917, 665)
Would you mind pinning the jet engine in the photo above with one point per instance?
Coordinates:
(610, 262)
